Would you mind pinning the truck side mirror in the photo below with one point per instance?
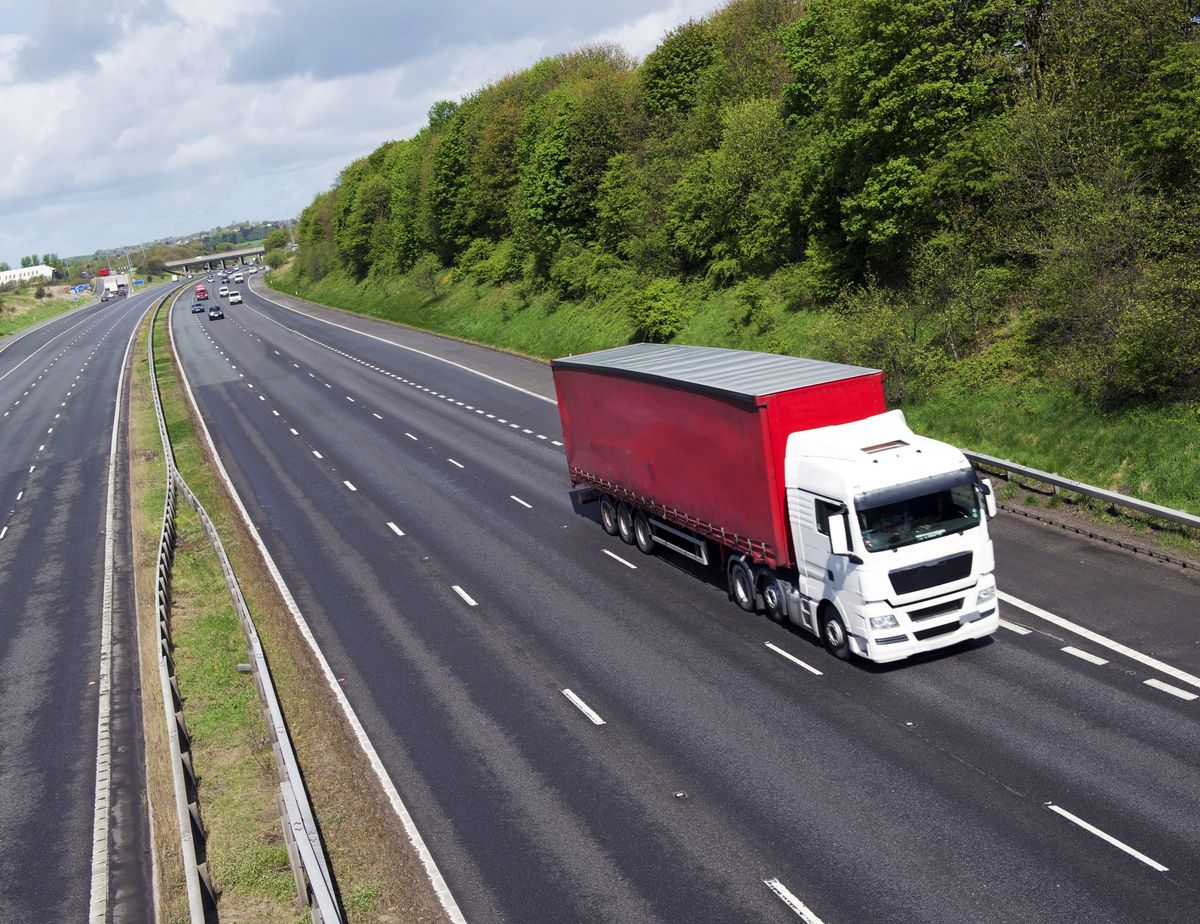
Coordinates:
(839, 541)
(989, 496)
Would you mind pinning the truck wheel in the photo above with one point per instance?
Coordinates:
(773, 601)
(642, 534)
(833, 632)
(741, 585)
(608, 515)
(625, 523)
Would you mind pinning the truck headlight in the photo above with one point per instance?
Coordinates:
(884, 622)
(987, 593)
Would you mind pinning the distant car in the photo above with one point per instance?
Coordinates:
(253, 270)
(237, 277)
(223, 291)
(215, 312)
(235, 297)
(210, 279)
(197, 308)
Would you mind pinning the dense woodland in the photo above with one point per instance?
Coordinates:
(987, 190)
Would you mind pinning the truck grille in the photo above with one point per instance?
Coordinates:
(940, 609)
(923, 634)
(910, 580)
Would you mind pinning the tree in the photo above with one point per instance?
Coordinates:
(426, 273)
(276, 239)
(4, 267)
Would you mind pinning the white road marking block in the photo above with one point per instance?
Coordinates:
(583, 707)
(1167, 688)
(802, 910)
(795, 660)
(627, 564)
(1013, 627)
(394, 528)
(467, 599)
(350, 486)
(453, 462)
(317, 454)
(521, 502)
(1092, 829)
(379, 416)
(1084, 655)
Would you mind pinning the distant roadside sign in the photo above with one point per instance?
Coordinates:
(139, 282)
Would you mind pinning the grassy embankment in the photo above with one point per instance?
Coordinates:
(230, 746)
(20, 308)
(1148, 452)
(378, 877)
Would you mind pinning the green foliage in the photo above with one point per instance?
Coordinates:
(427, 272)
(1001, 189)
(671, 74)
(659, 311)
(276, 240)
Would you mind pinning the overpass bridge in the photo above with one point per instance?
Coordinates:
(207, 260)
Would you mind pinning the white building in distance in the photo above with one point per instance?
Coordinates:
(26, 273)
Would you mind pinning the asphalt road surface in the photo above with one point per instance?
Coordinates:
(58, 390)
(583, 733)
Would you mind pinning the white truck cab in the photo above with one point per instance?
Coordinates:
(893, 552)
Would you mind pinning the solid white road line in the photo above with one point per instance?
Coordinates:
(453, 462)
(350, 486)
(801, 909)
(1085, 655)
(1160, 666)
(627, 564)
(466, 596)
(1167, 688)
(794, 659)
(521, 502)
(583, 707)
(394, 528)
(1154, 864)
(1013, 627)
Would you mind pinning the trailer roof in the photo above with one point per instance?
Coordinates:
(739, 374)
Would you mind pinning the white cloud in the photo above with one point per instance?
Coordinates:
(158, 125)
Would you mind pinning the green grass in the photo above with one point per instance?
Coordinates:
(1144, 452)
(1147, 452)
(29, 310)
(231, 748)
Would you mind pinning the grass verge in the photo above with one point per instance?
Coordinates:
(378, 876)
(231, 751)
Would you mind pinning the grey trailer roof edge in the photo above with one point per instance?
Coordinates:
(740, 375)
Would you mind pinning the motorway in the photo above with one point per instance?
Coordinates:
(62, 569)
(583, 733)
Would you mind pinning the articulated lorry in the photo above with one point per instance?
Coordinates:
(824, 509)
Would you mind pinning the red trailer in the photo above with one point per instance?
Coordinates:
(696, 436)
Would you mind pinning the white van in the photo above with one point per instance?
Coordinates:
(238, 277)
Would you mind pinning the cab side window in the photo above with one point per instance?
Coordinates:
(824, 511)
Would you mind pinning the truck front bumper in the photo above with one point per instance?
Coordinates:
(897, 644)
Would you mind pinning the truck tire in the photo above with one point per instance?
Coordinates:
(773, 600)
(833, 634)
(741, 585)
(625, 523)
(641, 533)
(608, 514)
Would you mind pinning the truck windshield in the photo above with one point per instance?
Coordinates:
(916, 512)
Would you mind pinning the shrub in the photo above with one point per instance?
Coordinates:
(659, 312)
(427, 272)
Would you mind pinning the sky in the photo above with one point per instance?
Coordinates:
(131, 120)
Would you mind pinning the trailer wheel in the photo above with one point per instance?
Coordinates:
(642, 534)
(773, 600)
(741, 585)
(608, 515)
(833, 632)
(625, 523)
